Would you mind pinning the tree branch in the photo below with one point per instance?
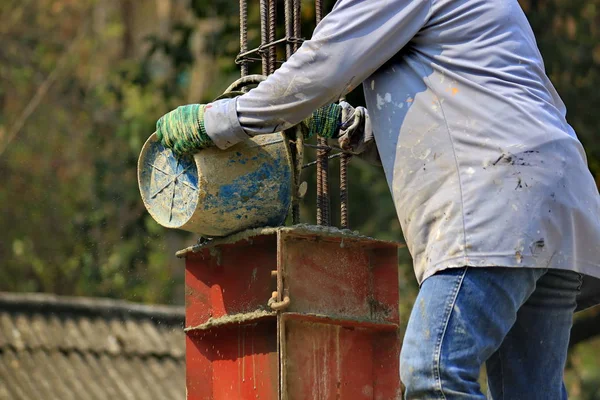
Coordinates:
(40, 93)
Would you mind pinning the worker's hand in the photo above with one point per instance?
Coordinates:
(356, 133)
(182, 129)
(324, 121)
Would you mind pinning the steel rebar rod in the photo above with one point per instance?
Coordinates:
(272, 34)
(264, 34)
(318, 10)
(289, 32)
(344, 195)
(322, 158)
(244, 35)
(297, 23)
(289, 27)
(344, 220)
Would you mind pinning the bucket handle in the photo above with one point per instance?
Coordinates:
(235, 89)
(245, 81)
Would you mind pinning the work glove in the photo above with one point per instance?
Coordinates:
(324, 121)
(182, 130)
(356, 133)
(350, 126)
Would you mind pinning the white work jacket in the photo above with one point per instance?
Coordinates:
(483, 167)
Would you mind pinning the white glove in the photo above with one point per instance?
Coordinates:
(356, 133)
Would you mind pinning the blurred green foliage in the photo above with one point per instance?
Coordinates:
(82, 83)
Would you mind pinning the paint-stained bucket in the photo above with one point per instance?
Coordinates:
(218, 192)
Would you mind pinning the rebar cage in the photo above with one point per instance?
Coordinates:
(266, 53)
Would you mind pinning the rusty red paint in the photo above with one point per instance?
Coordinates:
(230, 279)
(358, 279)
(324, 361)
(233, 362)
(338, 339)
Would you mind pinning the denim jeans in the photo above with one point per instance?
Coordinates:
(516, 321)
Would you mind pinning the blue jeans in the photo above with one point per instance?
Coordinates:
(516, 321)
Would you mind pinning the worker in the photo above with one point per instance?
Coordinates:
(497, 205)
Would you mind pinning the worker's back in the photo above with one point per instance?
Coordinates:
(480, 58)
(481, 161)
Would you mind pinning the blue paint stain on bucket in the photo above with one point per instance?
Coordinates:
(256, 191)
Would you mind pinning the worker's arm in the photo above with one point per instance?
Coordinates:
(349, 44)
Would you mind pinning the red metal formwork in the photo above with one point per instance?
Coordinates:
(336, 339)
(325, 361)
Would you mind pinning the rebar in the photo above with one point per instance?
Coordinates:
(268, 56)
(264, 35)
(322, 158)
(244, 35)
(297, 23)
(344, 220)
(318, 10)
(271, 35)
(289, 27)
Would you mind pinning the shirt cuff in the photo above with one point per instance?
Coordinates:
(222, 124)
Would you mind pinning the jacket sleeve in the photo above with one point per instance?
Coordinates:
(348, 45)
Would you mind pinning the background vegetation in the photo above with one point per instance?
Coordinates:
(82, 83)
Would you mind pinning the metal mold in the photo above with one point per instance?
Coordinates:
(336, 339)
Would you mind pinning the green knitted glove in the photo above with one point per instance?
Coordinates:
(324, 121)
(182, 129)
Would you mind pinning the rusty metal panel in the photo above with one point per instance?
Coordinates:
(384, 286)
(332, 362)
(336, 276)
(337, 338)
(229, 279)
(233, 362)
(386, 366)
(198, 371)
(231, 348)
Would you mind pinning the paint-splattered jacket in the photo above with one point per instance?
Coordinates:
(482, 164)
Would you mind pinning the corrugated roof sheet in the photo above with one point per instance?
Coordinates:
(80, 348)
